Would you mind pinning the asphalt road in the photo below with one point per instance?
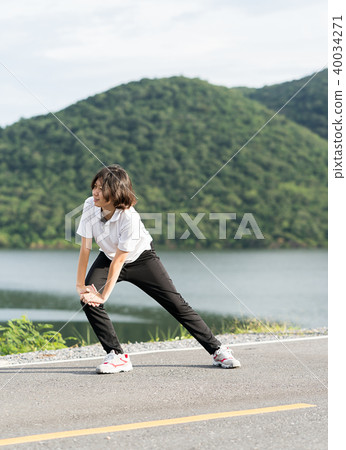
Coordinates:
(68, 396)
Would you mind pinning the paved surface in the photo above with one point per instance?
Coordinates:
(70, 396)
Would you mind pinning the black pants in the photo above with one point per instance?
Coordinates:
(148, 273)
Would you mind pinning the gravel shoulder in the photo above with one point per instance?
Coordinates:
(96, 351)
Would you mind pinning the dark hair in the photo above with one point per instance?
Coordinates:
(116, 185)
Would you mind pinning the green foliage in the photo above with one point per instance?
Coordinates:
(21, 336)
(82, 341)
(172, 135)
(177, 334)
(308, 108)
(243, 325)
(231, 325)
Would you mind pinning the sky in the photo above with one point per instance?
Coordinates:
(54, 53)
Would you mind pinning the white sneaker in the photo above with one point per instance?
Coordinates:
(223, 357)
(114, 363)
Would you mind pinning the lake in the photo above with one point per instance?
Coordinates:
(287, 285)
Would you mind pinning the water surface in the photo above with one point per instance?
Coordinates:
(283, 285)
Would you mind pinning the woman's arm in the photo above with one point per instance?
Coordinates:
(82, 265)
(94, 298)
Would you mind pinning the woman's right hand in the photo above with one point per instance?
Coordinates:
(91, 297)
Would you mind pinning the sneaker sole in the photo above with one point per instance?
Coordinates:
(224, 366)
(109, 371)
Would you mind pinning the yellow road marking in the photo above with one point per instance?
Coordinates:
(150, 424)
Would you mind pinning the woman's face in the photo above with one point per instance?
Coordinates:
(99, 200)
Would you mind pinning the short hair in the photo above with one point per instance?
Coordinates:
(116, 186)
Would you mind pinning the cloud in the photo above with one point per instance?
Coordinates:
(66, 50)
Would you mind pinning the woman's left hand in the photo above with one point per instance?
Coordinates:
(92, 297)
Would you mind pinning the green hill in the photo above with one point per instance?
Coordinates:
(308, 108)
(171, 135)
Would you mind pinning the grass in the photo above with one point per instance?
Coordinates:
(246, 325)
(179, 333)
(227, 326)
(83, 341)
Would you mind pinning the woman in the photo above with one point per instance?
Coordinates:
(127, 254)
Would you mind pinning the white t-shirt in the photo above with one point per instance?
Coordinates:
(124, 230)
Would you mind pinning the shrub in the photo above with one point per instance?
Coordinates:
(21, 336)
